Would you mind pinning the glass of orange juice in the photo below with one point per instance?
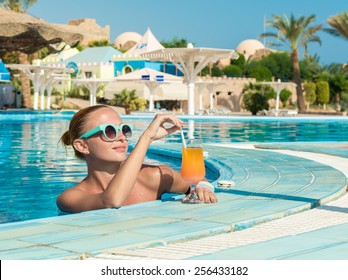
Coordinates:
(192, 167)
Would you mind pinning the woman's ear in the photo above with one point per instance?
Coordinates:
(81, 146)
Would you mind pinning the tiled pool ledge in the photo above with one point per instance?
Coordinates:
(268, 185)
(329, 148)
(26, 115)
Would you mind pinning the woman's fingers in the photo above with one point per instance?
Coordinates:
(206, 195)
(157, 130)
(170, 119)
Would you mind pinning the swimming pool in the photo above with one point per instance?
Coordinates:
(34, 167)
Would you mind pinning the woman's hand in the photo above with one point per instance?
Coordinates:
(206, 195)
(156, 129)
(205, 192)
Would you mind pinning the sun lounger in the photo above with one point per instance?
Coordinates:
(281, 113)
(287, 113)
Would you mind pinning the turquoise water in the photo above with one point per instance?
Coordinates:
(261, 129)
(35, 168)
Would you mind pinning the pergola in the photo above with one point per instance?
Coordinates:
(278, 86)
(211, 86)
(190, 61)
(152, 79)
(41, 77)
(49, 83)
(151, 85)
(92, 84)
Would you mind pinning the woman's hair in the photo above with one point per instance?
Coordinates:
(76, 126)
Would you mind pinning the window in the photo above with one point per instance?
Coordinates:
(128, 69)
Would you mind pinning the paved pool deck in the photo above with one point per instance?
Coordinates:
(286, 204)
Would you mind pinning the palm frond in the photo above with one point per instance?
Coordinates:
(332, 31)
(339, 24)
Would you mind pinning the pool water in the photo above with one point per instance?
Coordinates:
(227, 130)
(35, 168)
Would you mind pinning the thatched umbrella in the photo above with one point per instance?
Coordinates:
(27, 34)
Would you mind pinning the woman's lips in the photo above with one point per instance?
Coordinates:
(120, 149)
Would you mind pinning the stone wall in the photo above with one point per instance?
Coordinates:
(227, 95)
(90, 30)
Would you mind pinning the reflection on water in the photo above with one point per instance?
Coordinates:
(35, 168)
(227, 131)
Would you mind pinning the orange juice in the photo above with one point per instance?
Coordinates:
(192, 165)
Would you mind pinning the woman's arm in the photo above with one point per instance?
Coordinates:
(173, 182)
(120, 186)
(123, 182)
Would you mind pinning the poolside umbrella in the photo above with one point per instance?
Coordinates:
(27, 34)
(160, 85)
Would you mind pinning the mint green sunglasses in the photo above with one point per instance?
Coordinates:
(110, 131)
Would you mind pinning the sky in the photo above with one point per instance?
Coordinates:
(209, 23)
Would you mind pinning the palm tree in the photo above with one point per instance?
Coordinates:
(297, 33)
(124, 98)
(21, 6)
(339, 24)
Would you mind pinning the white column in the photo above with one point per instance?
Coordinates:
(42, 98)
(200, 100)
(200, 88)
(36, 96)
(151, 86)
(211, 95)
(278, 88)
(95, 87)
(90, 97)
(151, 102)
(191, 129)
(92, 93)
(191, 98)
(48, 103)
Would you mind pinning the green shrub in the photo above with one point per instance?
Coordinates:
(310, 92)
(284, 96)
(254, 102)
(323, 92)
(232, 70)
(260, 73)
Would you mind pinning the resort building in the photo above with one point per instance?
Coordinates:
(59, 57)
(132, 60)
(212, 93)
(127, 40)
(251, 48)
(95, 62)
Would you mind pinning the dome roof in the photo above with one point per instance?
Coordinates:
(249, 47)
(127, 40)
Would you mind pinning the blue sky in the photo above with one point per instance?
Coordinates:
(212, 24)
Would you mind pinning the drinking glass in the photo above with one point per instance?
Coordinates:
(192, 167)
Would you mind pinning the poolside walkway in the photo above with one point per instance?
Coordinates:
(320, 233)
(266, 210)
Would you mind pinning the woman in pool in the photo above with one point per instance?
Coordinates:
(99, 136)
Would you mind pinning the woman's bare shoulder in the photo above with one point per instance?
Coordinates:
(149, 172)
(71, 197)
(156, 176)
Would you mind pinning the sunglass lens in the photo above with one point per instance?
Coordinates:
(110, 132)
(127, 131)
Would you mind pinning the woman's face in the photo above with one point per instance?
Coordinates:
(101, 149)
